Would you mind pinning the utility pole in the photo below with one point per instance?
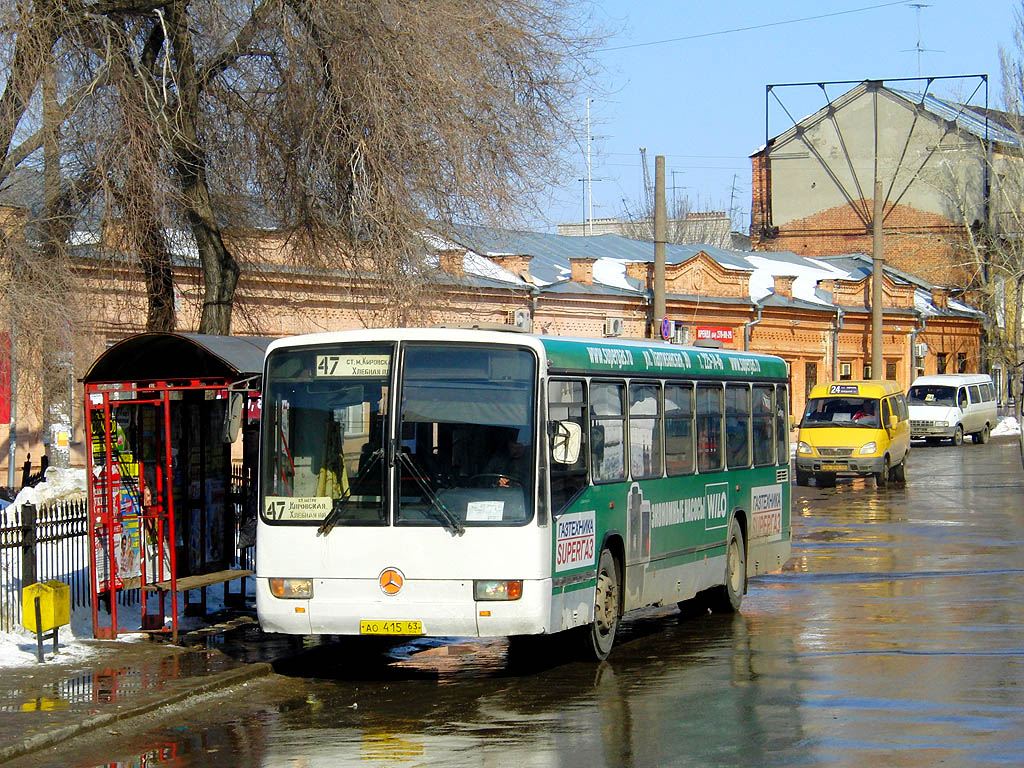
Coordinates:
(877, 267)
(659, 245)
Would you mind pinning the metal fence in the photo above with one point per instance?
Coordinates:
(51, 542)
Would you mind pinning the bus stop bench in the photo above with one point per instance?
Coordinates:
(201, 581)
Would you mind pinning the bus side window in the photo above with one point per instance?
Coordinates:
(607, 422)
(885, 412)
(781, 425)
(566, 403)
(644, 430)
(709, 427)
(678, 429)
(763, 429)
(737, 425)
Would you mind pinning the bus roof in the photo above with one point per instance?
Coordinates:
(649, 358)
(584, 355)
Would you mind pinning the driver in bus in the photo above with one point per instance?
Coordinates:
(509, 462)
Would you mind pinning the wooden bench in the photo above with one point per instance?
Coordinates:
(187, 583)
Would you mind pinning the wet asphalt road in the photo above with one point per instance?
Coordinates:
(895, 636)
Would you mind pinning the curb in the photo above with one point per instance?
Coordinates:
(225, 679)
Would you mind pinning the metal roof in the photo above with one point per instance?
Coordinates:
(967, 117)
(158, 356)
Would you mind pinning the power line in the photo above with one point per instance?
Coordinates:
(757, 26)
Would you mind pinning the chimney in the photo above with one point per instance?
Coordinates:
(640, 270)
(451, 261)
(516, 263)
(940, 297)
(582, 270)
(784, 285)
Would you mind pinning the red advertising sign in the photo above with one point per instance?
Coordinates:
(714, 333)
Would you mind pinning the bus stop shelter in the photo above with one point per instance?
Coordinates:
(164, 412)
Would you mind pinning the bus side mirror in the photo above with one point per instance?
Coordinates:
(233, 416)
(566, 438)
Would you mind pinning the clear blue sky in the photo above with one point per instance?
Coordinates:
(699, 98)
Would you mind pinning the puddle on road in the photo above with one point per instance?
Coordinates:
(113, 683)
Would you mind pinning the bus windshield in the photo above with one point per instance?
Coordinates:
(463, 452)
(324, 411)
(466, 430)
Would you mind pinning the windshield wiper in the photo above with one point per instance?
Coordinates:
(450, 521)
(339, 504)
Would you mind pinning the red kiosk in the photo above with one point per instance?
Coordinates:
(162, 411)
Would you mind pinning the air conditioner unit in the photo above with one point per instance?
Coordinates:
(613, 326)
(520, 318)
(682, 334)
(920, 349)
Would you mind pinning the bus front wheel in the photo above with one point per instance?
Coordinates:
(601, 634)
(727, 597)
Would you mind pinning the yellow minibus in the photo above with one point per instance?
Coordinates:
(854, 428)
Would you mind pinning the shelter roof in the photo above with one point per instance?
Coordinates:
(158, 356)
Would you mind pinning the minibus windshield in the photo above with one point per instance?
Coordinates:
(841, 412)
(932, 394)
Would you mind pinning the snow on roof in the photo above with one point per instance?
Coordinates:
(612, 272)
(923, 303)
(474, 263)
(806, 271)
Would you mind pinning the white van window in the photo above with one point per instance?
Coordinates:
(975, 391)
(961, 398)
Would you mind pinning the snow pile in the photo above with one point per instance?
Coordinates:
(1008, 425)
(58, 485)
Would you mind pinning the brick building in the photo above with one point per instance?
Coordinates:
(815, 313)
(940, 164)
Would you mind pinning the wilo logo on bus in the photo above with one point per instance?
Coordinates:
(574, 541)
(716, 499)
(766, 512)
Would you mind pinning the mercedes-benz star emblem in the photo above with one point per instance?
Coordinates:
(391, 580)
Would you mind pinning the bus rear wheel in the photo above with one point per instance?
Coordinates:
(600, 636)
(727, 597)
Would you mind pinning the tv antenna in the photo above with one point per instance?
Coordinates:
(919, 47)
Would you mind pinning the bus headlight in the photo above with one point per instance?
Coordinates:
(803, 448)
(868, 448)
(292, 589)
(498, 590)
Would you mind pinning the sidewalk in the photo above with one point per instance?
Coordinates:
(45, 704)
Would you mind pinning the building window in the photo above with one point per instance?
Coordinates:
(810, 377)
(890, 371)
(961, 362)
(940, 362)
(845, 371)
(867, 371)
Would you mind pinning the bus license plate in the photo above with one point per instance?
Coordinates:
(390, 627)
(833, 467)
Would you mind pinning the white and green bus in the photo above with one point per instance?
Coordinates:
(478, 483)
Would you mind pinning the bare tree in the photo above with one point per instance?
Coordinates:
(987, 199)
(688, 223)
(347, 123)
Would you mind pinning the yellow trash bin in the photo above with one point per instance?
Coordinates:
(54, 605)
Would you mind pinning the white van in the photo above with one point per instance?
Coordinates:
(950, 405)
